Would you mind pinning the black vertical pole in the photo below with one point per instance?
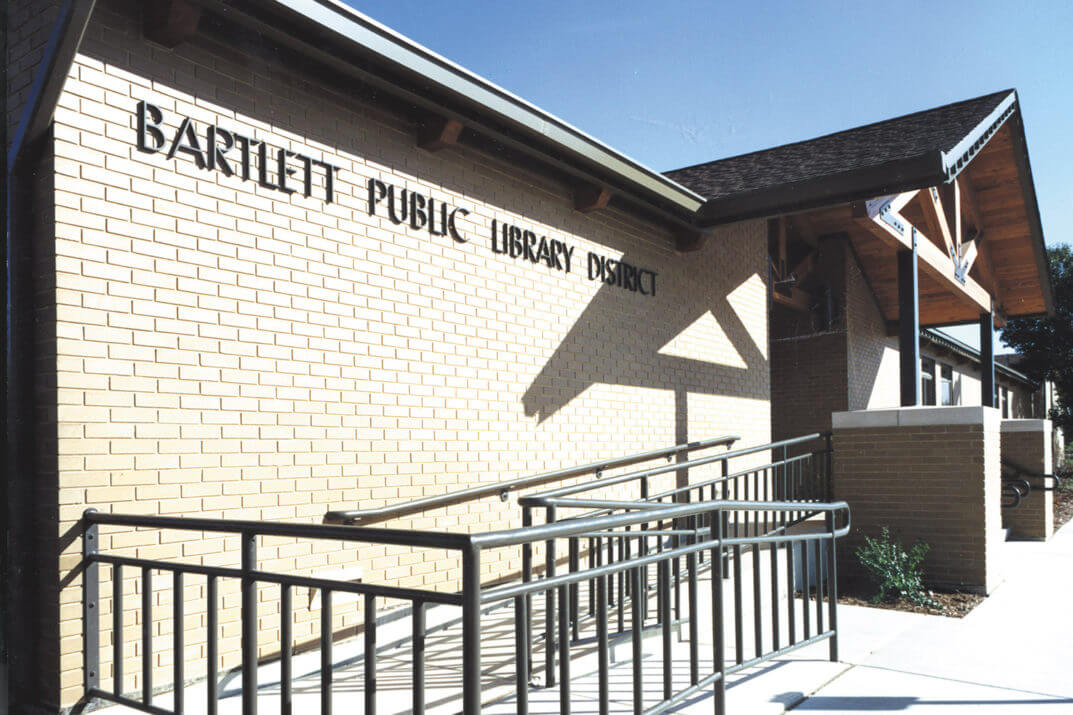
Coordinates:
(249, 624)
(471, 631)
(91, 622)
(909, 325)
(987, 359)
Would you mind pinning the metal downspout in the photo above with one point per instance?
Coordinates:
(17, 625)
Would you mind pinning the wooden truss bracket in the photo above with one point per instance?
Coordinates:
(882, 217)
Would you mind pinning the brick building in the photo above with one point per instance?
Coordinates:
(266, 260)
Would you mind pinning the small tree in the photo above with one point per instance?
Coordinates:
(1047, 343)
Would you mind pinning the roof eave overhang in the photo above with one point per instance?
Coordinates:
(323, 30)
(919, 172)
(958, 348)
(930, 169)
(859, 185)
(1028, 192)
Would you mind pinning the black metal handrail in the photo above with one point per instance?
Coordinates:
(623, 540)
(249, 576)
(502, 488)
(1020, 472)
(1016, 490)
(644, 524)
(535, 500)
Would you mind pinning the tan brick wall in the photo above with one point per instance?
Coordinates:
(809, 361)
(1034, 517)
(227, 351)
(808, 383)
(936, 483)
(29, 23)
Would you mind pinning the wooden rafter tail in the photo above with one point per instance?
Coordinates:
(590, 197)
(688, 241)
(170, 22)
(436, 133)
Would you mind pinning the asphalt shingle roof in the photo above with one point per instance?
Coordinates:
(912, 136)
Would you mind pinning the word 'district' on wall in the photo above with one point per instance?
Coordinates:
(215, 148)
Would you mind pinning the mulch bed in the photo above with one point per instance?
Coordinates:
(954, 605)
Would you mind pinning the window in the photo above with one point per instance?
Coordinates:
(946, 385)
(927, 381)
(1002, 400)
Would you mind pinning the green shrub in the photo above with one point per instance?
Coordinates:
(895, 572)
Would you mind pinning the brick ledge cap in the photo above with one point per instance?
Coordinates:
(917, 417)
(1026, 425)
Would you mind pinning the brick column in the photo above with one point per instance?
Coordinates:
(927, 473)
(1028, 444)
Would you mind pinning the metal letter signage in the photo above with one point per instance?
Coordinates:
(274, 167)
(277, 169)
(417, 210)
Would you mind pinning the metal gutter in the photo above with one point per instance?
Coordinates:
(340, 29)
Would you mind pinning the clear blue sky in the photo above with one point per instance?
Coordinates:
(677, 83)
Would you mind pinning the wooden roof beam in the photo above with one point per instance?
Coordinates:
(436, 133)
(805, 267)
(170, 22)
(951, 195)
(795, 298)
(936, 216)
(893, 229)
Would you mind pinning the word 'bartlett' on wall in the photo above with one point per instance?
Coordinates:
(242, 330)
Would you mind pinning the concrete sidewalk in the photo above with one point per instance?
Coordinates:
(1012, 654)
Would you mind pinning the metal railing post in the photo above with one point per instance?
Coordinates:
(522, 649)
(718, 621)
(471, 630)
(829, 454)
(832, 587)
(724, 527)
(91, 622)
(527, 576)
(249, 624)
(549, 606)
